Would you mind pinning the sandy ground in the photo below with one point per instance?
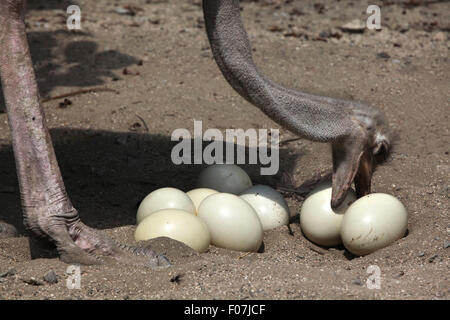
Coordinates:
(114, 148)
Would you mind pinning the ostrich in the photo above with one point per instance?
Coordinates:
(356, 132)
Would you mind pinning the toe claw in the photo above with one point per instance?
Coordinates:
(90, 246)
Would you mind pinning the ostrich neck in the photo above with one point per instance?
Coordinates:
(313, 117)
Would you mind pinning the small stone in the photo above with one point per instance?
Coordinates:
(135, 126)
(325, 34)
(33, 281)
(399, 274)
(446, 244)
(357, 282)
(404, 28)
(421, 254)
(65, 103)
(383, 55)
(124, 11)
(51, 277)
(330, 33)
(445, 191)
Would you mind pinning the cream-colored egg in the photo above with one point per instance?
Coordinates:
(269, 204)
(164, 198)
(373, 222)
(228, 178)
(199, 194)
(175, 224)
(319, 222)
(232, 222)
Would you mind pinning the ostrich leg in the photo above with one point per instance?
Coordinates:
(356, 132)
(47, 209)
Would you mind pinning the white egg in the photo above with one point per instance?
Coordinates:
(319, 222)
(199, 194)
(227, 178)
(232, 222)
(269, 204)
(175, 224)
(373, 222)
(164, 198)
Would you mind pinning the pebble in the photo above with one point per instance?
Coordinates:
(432, 258)
(446, 244)
(445, 191)
(383, 55)
(51, 277)
(421, 254)
(354, 26)
(330, 33)
(8, 273)
(123, 11)
(404, 28)
(357, 282)
(33, 281)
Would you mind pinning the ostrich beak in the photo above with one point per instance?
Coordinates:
(363, 176)
(350, 164)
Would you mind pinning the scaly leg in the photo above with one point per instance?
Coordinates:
(47, 209)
